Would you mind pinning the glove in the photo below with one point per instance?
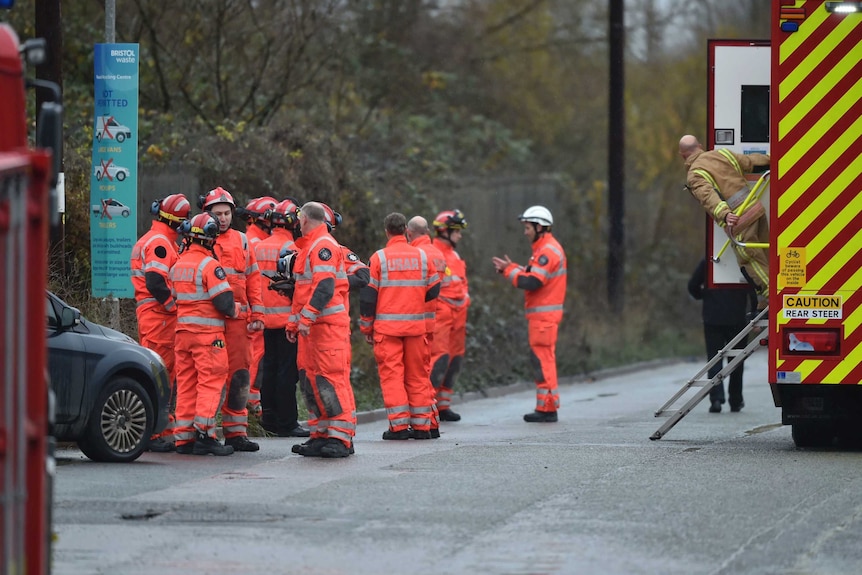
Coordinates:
(285, 287)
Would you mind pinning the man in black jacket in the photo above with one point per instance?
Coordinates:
(724, 316)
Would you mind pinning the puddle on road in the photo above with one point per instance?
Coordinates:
(763, 429)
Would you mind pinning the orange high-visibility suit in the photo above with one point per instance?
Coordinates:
(544, 283)
(357, 278)
(392, 308)
(323, 358)
(279, 373)
(450, 329)
(255, 235)
(152, 258)
(240, 265)
(204, 299)
(438, 264)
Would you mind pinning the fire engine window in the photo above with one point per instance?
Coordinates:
(755, 114)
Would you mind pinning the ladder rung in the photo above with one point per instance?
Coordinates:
(737, 356)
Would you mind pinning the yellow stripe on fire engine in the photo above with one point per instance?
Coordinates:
(818, 166)
(792, 41)
(837, 262)
(828, 117)
(816, 55)
(851, 324)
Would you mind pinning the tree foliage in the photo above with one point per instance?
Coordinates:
(383, 105)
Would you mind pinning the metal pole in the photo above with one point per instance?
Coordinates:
(110, 21)
(616, 163)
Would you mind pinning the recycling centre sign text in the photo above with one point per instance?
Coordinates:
(114, 177)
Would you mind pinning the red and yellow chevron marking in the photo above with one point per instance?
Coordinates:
(817, 182)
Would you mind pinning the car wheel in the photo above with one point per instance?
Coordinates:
(120, 424)
(98, 175)
(125, 213)
(120, 138)
(121, 176)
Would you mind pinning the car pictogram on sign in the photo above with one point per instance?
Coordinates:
(108, 208)
(107, 169)
(108, 128)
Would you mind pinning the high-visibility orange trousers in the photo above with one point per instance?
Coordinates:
(257, 349)
(402, 364)
(324, 356)
(202, 367)
(543, 345)
(234, 415)
(447, 351)
(157, 332)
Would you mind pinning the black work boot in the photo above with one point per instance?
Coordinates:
(396, 435)
(186, 448)
(241, 443)
(541, 417)
(435, 433)
(449, 415)
(310, 448)
(420, 434)
(204, 445)
(160, 445)
(335, 448)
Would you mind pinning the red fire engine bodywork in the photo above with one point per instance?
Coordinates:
(24, 222)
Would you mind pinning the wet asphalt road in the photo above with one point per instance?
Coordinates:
(726, 493)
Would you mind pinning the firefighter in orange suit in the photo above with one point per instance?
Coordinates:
(152, 258)
(356, 269)
(450, 332)
(204, 301)
(544, 283)
(320, 324)
(717, 180)
(419, 235)
(239, 263)
(392, 310)
(357, 278)
(279, 372)
(257, 228)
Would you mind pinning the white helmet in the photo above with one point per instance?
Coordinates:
(538, 215)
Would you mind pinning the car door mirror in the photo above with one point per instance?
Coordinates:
(69, 318)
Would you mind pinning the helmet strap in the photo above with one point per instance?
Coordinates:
(448, 237)
(540, 231)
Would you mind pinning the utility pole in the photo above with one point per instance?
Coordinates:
(616, 159)
(110, 38)
(48, 27)
(110, 21)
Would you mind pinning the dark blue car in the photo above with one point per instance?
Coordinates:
(110, 393)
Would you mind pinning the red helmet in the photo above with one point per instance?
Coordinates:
(257, 208)
(216, 196)
(172, 209)
(450, 220)
(202, 227)
(331, 217)
(285, 213)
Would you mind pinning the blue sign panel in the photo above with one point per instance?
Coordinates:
(114, 178)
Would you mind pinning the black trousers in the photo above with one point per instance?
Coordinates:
(278, 382)
(716, 337)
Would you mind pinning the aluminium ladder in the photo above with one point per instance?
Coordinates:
(738, 355)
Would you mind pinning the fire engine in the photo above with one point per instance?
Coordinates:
(798, 97)
(27, 178)
(815, 336)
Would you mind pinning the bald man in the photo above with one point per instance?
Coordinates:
(717, 180)
(419, 235)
